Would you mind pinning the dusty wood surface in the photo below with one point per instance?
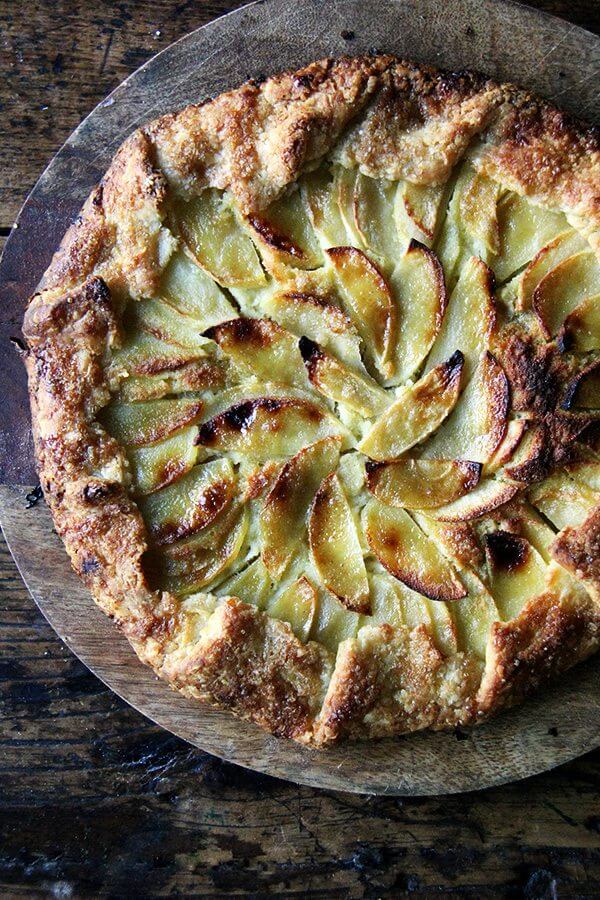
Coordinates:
(96, 800)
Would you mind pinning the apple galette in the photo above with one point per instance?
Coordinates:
(315, 380)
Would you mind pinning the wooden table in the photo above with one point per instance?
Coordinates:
(94, 799)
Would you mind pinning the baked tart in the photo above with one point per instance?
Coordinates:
(315, 382)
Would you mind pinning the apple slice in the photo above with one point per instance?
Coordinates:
(262, 348)
(285, 235)
(296, 605)
(144, 423)
(264, 428)
(563, 289)
(315, 318)
(196, 376)
(420, 292)
(417, 210)
(369, 303)
(488, 495)
(335, 546)
(443, 628)
(563, 501)
(474, 616)
(190, 504)
(186, 287)
(345, 184)
(523, 229)
(515, 432)
(386, 606)
(583, 392)
(516, 572)
(338, 382)
(156, 466)
(421, 483)
(283, 516)
(418, 410)
(408, 554)
(252, 584)
(563, 246)
(581, 328)
(478, 423)
(321, 196)
(471, 224)
(165, 323)
(190, 564)
(469, 319)
(333, 623)
(143, 354)
(218, 242)
(374, 217)
(532, 457)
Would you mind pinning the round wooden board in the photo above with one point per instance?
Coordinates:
(502, 39)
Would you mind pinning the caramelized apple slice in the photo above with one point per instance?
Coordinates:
(333, 623)
(562, 247)
(143, 354)
(523, 229)
(321, 195)
(421, 483)
(563, 289)
(285, 235)
(198, 375)
(296, 605)
(488, 495)
(478, 424)
(581, 328)
(263, 348)
(191, 564)
(335, 380)
(159, 464)
(417, 210)
(212, 232)
(516, 572)
(563, 501)
(418, 410)
(265, 428)
(420, 291)
(469, 319)
(510, 444)
(283, 517)
(187, 288)
(145, 423)
(374, 217)
(322, 322)
(405, 551)
(252, 585)
(369, 303)
(165, 323)
(336, 548)
(584, 390)
(191, 503)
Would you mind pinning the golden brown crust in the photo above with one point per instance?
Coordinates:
(550, 634)
(394, 120)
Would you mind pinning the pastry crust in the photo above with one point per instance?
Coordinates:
(393, 120)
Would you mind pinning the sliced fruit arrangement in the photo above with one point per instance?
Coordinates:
(319, 414)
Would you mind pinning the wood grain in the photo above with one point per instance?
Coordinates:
(94, 799)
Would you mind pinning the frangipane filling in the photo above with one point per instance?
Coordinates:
(320, 412)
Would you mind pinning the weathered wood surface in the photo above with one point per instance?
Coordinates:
(93, 799)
